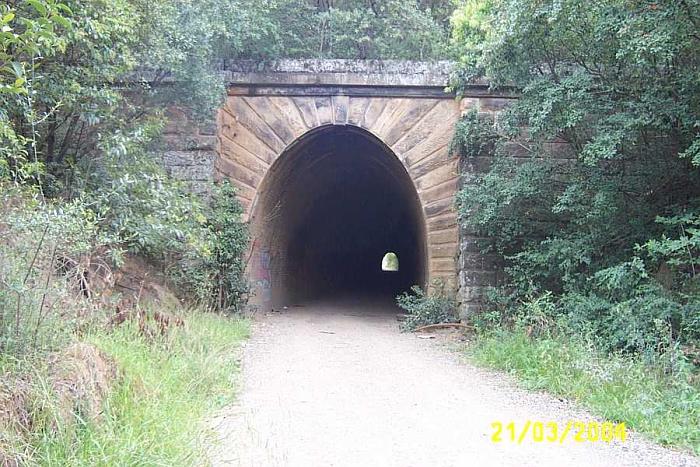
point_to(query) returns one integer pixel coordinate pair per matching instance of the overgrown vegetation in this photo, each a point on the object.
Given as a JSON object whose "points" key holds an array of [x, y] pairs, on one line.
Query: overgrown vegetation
{"points": [[48, 250], [354, 29], [58, 257], [82, 191], [423, 308], [591, 201], [58, 288], [79, 150], [600, 210], [615, 387], [217, 278], [153, 414]]}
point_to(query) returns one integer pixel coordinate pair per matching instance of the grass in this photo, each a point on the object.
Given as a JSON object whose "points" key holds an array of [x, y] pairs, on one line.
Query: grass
{"points": [[166, 389], [666, 407]]}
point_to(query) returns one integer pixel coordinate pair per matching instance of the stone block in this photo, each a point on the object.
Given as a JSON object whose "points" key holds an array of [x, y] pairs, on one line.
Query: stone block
{"points": [[472, 294], [172, 158], [468, 309], [192, 172], [478, 278], [471, 244]]}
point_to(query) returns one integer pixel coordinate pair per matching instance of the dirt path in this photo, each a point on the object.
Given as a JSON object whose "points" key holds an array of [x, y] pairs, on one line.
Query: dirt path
{"points": [[341, 386]]}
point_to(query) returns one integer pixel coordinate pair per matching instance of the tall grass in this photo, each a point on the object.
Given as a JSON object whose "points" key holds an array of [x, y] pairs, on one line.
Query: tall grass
{"points": [[166, 388], [46, 251], [665, 406]]}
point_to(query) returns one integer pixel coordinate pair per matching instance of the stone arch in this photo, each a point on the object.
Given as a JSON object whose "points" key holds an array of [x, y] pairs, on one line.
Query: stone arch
{"points": [[255, 130], [334, 201]]}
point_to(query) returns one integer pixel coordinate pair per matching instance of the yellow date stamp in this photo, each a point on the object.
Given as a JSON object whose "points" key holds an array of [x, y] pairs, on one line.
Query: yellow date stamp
{"points": [[554, 432]]}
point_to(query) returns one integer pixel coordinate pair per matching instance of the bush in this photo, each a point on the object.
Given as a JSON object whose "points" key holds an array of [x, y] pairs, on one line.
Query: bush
{"points": [[597, 215], [52, 250], [200, 245], [651, 323], [88, 146], [426, 308], [47, 251], [217, 278]]}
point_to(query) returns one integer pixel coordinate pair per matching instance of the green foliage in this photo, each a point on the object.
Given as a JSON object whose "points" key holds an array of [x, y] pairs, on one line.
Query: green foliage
{"points": [[355, 29], [148, 212], [679, 246], [46, 250], [51, 248], [649, 399], [80, 86], [183, 42], [598, 211], [164, 387], [643, 320], [24, 41], [470, 28], [395, 29], [422, 308], [230, 244], [143, 211], [217, 278], [200, 245], [474, 136], [95, 142]]}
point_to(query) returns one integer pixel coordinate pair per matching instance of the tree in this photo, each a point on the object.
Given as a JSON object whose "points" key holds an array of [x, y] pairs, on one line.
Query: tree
{"points": [[354, 29], [617, 82], [22, 49]]}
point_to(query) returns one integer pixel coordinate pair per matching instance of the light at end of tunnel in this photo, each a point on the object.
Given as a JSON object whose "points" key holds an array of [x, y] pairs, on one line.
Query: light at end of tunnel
{"points": [[390, 262]]}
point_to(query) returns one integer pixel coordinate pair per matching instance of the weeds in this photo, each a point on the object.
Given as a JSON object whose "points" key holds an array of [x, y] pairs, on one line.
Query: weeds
{"points": [[434, 307], [643, 394], [46, 251], [154, 413]]}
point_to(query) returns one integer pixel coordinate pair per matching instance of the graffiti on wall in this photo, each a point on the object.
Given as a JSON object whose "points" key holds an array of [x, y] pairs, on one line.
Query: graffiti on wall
{"points": [[263, 281]]}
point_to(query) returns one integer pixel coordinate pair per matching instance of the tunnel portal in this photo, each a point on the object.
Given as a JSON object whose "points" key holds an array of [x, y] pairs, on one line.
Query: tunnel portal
{"points": [[329, 209], [337, 163]]}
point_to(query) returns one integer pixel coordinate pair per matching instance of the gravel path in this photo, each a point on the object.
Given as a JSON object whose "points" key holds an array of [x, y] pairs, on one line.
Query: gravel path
{"points": [[339, 385]]}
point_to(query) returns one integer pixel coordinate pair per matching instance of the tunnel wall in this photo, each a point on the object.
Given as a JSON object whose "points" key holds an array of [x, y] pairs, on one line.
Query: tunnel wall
{"points": [[329, 209], [254, 131]]}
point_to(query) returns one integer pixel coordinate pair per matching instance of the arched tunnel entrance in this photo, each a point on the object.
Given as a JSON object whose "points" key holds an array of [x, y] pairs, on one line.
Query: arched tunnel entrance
{"points": [[328, 211]]}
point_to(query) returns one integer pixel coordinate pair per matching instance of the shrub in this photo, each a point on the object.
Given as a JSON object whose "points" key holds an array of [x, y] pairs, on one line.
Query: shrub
{"points": [[651, 323], [200, 245], [46, 253], [424, 308], [217, 277], [592, 197]]}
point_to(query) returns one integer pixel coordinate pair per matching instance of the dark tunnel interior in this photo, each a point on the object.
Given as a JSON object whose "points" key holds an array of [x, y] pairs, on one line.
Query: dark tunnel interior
{"points": [[331, 207]]}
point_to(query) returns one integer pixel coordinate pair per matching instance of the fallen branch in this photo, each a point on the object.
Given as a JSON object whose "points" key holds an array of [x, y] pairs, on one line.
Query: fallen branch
{"points": [[430, 327]]}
